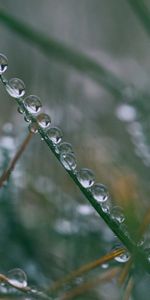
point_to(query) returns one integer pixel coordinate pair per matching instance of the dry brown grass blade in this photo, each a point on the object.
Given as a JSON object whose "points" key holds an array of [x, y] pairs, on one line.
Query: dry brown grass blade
{"points": [[7, 172], [86, 268], [104, 277], [128, 290], [124, 272]]}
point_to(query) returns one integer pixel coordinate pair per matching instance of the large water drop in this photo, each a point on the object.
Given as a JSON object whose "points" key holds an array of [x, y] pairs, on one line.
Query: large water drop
{"points": [[17, 278], [117, 214], [3, 63], [100, 192], [15, 87], [33, 104], [65, 148], [44, 120], [68, 160], [54, 134], [85, 177]]}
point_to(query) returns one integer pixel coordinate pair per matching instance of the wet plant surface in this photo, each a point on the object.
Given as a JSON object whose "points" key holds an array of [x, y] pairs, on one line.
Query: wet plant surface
{"points": [[74, 162]]}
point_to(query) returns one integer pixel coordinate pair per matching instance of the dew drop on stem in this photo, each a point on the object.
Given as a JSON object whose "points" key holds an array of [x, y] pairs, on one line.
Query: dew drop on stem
{"points": [[54, 134], [17, 278], [100, 192], [117, 214], [64, 148], [68, 160], [44, 120], [15, 87], [33, 104], [85, 177], [33, 127]]}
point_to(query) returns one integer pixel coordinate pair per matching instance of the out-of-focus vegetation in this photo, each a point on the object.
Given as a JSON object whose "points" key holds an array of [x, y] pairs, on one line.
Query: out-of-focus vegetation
{"points": [[47, 227]]}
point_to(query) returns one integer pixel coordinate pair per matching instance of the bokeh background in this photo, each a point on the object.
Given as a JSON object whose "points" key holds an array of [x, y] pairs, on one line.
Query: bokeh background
{"points": [[47, 227]]}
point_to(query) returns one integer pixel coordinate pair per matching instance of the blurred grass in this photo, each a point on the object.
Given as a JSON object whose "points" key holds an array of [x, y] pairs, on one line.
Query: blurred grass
{"points": [[94, 70], [142, 12], [64, 54]]}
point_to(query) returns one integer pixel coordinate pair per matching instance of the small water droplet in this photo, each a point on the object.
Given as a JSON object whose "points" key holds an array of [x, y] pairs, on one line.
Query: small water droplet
{"points": [[3, 63], [100, 192], [17, 278], [44, 120], [33, 127], [140, 243], [105, 206], [54, 134], [85, 177], [15, 87], [123, 258], [68, 160], [64, 148], [27, 119], [33, 104], [117, 214], [20, 110], [105, 266]]}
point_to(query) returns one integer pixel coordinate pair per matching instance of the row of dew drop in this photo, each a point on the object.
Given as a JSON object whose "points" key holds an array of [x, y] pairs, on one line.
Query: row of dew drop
{"points": [[30, 107]]}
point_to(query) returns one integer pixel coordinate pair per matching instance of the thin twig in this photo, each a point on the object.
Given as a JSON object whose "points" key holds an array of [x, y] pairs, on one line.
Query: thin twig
{"points": [[88, 267], [128, 289], [8, 171]]}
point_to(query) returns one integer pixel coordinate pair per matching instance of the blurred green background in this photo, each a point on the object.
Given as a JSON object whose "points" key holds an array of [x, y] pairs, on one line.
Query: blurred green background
{"points": [[47, 227]]}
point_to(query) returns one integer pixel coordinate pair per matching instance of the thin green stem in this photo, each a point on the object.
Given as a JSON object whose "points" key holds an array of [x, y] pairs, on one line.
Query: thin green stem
{"points": [[124, 237]]}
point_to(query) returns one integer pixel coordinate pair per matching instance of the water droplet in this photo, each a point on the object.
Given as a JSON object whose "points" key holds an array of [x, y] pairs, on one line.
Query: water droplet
{"points": [[85, 177], [140, 243], [64, 148], [100, 192], [33, 127], [105, 206], [27, 119], [17, 278], [123, 258], [105, 266], [55, 135], [33, 104], [117, 214], [20, 110], [44, 120], [68, 160], [3, 63], [15, 87]]}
